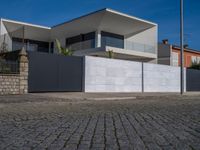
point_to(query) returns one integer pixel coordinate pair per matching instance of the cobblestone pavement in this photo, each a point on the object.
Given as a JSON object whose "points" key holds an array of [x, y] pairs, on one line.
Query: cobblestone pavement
{"points": [[146, 123]]}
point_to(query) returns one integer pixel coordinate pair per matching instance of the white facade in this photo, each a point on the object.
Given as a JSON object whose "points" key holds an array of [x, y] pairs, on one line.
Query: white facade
{"points": [[149, 37], [140, 36], [5, 37]]}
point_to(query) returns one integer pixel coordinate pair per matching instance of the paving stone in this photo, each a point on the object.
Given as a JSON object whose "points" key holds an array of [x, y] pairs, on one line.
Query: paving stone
{"points": [[165, 123]]}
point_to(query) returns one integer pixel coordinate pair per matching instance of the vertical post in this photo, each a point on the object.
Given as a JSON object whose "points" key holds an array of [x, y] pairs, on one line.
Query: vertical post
{"points": [[182, 47], [98, 39], [142, 77], [23, 72], [49, 47]]}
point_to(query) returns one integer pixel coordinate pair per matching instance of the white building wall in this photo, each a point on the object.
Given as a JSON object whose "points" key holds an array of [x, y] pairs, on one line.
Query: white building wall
{"points": [[8, 39], [148, 37], [110, 75]]}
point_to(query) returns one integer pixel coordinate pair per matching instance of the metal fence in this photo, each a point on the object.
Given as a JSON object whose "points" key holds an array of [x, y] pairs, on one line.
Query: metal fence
{"points": [[9, 67], [52, 72], [193, 80]]}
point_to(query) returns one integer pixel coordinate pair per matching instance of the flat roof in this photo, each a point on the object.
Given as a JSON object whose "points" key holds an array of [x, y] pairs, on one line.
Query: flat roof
{"points": [[108, 10], [34, 32], [103, 20], [24, 23], [101, 10]]}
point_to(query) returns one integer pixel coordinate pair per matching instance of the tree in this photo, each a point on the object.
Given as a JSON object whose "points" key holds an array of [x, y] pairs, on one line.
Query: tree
{"points": [[62, 50]]}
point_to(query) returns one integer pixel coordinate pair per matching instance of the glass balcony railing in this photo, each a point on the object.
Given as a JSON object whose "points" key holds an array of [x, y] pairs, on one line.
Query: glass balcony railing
{"points": [[82, 45], [129, 45]]}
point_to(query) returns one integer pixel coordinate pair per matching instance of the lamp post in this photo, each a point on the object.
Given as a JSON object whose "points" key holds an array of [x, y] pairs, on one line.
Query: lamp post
{"points": [[182, 47]]}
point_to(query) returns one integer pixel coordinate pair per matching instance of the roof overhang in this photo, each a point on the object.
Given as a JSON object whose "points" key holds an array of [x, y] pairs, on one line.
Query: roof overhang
{"points": [[106, 20], [29, 31]]}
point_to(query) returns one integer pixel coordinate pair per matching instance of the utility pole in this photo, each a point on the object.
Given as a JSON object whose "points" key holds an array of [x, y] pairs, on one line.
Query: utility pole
{"points": [[182, 47]]}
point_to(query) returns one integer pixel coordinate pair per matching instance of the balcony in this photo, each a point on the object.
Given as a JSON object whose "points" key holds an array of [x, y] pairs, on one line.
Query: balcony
{"points": [[140, 47], [127, 45], [89, 44]]}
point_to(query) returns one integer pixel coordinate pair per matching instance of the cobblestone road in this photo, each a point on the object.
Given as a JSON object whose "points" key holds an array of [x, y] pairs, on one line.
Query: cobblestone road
{"points": [[147, 123]]}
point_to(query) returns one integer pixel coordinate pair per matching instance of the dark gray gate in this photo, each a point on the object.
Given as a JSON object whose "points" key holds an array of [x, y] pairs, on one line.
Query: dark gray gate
{"points": [[193, 80], [51, 72]]}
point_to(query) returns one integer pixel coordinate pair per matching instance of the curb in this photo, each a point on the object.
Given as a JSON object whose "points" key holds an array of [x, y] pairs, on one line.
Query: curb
{"points": [[111, 98]]}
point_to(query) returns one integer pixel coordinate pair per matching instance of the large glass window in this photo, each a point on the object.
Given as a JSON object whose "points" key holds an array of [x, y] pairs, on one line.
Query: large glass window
{"points": [[82, 41], [111, 39], [30, 45], [17, 44]]}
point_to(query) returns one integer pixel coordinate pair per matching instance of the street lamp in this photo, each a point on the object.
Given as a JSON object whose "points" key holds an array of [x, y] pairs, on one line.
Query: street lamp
{"points": [[182, 47]]}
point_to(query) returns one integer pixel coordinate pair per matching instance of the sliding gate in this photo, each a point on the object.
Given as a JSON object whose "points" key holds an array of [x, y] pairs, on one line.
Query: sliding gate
{"points": [[51, 72]]}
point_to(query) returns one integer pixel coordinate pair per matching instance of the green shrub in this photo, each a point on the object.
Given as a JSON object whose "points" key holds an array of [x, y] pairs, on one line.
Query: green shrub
{"points": [[195, 65], [62, 50], [110, 54]]}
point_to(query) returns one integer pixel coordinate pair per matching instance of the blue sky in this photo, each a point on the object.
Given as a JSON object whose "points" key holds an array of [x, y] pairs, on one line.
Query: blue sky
{"points": [[163, 12]]}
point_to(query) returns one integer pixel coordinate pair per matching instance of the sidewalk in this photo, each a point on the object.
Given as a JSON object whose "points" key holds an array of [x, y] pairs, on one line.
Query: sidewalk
{"points": [[80, 96], [110, 96]]}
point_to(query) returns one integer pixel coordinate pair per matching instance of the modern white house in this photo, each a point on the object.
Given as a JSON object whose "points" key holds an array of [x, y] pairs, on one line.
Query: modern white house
{"points": [[133, 41], [93, 34]]}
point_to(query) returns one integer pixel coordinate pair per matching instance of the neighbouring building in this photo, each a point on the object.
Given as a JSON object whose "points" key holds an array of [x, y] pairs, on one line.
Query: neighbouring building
{"points": [[93, 34], [169, 54]]}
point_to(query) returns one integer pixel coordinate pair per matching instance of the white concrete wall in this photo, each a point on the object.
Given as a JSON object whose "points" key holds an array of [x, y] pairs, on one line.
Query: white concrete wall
{"points": [[111, 75], [161, 78], [148, 37], [8, 39]]}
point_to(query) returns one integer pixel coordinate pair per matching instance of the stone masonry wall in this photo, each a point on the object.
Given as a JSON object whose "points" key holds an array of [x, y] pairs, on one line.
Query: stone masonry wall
{"points": [[16, 83], [9, 84], [23, 69]]}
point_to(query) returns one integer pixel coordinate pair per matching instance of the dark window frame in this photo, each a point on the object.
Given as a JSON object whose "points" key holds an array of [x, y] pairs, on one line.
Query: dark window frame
{"points": [[42, 46], [81, 38], [112, 39]]}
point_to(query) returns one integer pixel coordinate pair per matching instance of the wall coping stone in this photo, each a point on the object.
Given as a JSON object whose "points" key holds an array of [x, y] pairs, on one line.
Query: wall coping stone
{"points": [[17, 74]]}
